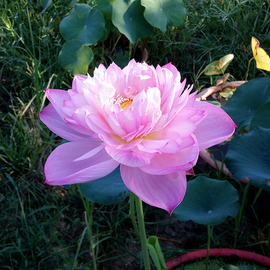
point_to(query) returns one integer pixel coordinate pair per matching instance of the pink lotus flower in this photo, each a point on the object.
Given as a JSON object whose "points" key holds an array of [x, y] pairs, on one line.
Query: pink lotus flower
{"points": [[139, 117]]}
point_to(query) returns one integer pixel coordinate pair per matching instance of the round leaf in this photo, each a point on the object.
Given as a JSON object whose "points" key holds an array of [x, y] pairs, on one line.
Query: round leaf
{"points": [[248, 156], [83, 23], [163, 12], [106, 190], [208, 201], [127, 16], [261, 118], [105, 7], [247, 99], [75, 57]]}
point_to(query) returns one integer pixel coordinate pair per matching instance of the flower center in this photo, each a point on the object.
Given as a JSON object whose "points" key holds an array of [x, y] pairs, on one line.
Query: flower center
{"points": [[124, 102]]}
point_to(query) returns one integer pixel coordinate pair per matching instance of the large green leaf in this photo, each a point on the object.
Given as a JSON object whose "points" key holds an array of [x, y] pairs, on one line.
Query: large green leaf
{"points": [[249, 156], [261, 118], [106, 190], [127, 16], [75, 57], [247, 99], [164, 12], [208, 201], [105, 7], [83, 23]]}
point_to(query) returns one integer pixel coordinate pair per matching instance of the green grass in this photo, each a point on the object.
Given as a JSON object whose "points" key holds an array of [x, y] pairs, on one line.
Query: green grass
{"points": [[43, 227]]}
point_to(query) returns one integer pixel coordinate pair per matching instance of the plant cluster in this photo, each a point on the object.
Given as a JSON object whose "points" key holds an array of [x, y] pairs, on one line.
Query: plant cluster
{"points": [[44, 46]]}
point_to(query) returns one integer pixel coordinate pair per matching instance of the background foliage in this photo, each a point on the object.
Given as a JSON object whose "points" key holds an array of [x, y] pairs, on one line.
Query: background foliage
{"points": [[41, 226]]}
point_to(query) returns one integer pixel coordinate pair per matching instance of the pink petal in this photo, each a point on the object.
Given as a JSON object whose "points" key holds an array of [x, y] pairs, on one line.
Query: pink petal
{"points": [[172, 147], [78, 82], [127, 69], [215, 128], [78, 120], [127, 120], [169, 163], [169, 90], [172, 68], [162, 191], [72, 163], [57, 98], [129, 158], [167, 117], [97, 123], [115, 77], [154, 144], [78, 100], [50, 117], [111, 140], [99, 72]]}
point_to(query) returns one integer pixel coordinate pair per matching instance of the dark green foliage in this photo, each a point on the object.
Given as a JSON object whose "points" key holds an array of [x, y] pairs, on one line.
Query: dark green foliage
{"points": [[41, 226]]}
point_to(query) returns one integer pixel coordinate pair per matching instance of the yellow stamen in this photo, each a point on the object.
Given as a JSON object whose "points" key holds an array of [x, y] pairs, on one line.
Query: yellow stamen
{"points": [[126, 103]]}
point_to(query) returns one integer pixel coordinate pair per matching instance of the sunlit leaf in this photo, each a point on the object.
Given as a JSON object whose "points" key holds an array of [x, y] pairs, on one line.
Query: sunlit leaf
{"points": [[218, 67], [208, 201], [164, 13], [261, 57], [127, 16], [75, 57], [83, 23], [227, 93]]}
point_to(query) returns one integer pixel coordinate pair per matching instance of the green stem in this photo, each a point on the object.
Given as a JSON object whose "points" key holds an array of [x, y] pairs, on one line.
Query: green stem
{"points": [[36, 77], [269, 241], [239, 217], [208, 246], [143, 239], [257, 196], [248, 67], [89, 206], [90, 218], [114, 45], [132, 214], [130, 50]]}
